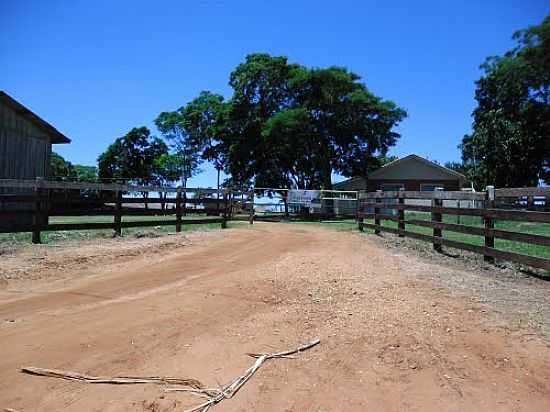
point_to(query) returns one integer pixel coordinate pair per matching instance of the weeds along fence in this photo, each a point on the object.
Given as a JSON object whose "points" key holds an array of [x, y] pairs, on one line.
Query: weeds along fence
{"points": [[27, 205], [495, 223]]}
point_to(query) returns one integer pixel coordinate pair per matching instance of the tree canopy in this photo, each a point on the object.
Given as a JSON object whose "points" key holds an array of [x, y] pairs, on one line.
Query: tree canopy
{"points": [[510, 142], [132, 157], [63, 169], [286, 125]]}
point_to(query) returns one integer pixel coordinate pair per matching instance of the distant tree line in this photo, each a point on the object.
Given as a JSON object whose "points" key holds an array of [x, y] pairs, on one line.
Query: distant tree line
{"points": [[289, 126], [284, 126], [63, 169]]}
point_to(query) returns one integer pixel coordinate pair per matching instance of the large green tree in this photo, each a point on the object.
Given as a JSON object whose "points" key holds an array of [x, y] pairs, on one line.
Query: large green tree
{"points": [[260, 90], [204, 121], [510, 142], [131, 158], [187, 154], [292, 126]]}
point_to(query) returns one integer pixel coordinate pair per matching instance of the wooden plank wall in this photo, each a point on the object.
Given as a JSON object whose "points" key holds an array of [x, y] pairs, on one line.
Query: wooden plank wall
{"points": [[24, 148]]}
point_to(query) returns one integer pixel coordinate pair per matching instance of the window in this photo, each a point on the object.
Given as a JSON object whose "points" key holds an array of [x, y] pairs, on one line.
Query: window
{"points": [[430, 187], [392, 187]]}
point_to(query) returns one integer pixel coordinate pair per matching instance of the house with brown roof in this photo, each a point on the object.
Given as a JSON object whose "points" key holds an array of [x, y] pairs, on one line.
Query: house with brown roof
{"points": [[411, 172]]}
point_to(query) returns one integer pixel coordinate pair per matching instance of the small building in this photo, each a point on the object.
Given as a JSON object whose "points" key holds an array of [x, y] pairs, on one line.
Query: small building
{"points": [[25, 141], [412, 173]]}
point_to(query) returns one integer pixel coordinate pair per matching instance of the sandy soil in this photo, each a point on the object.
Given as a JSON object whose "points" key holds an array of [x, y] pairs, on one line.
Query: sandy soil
{"points": [[396, 333]]}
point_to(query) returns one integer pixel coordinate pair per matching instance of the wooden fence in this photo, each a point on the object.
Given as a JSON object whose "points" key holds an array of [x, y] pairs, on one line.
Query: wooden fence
{"points": [[382, 206], [26, 205]]}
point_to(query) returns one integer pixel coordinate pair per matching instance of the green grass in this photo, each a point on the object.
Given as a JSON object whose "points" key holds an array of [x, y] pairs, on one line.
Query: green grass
{"points": [[501, 244], [49, 237]]}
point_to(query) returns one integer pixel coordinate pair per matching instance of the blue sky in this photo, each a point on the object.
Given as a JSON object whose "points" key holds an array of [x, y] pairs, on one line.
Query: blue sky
{"points": [[95, 69]]}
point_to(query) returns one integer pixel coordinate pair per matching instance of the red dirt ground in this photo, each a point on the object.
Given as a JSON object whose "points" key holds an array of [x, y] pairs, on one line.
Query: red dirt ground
{"points": [[393, 338]]}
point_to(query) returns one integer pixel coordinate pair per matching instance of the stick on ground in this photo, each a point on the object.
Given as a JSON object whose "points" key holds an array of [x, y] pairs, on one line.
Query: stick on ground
{"points": [[117, 380], [229, 390], [192, 386]]}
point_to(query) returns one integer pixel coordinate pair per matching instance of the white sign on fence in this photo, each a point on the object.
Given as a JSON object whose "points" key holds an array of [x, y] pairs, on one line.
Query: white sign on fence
{"points": [[304, 197]]}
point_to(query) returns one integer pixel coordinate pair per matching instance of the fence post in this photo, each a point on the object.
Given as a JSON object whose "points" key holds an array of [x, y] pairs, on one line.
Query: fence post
{"points": [[118, 213], [185, 201], [401, 224], [178, 210], [37, 216], [377, 213], [224, 214], [251, 217], [359, 212], [437, 217], [489, 222]]}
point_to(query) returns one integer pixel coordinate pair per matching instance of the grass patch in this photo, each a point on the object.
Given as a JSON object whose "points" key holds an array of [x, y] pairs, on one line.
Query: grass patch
{"points": [[501, 244], [52, 236]]}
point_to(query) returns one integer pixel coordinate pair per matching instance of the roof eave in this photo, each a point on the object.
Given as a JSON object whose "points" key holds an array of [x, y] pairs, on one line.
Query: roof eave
{"points": [[56, 137]]}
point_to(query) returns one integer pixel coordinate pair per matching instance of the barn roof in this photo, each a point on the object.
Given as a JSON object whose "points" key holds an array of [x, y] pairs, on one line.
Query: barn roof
{"points": [[55, 135], [379, 173]]}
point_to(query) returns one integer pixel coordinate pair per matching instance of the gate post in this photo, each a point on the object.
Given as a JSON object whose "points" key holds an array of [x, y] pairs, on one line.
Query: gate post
{"points": [[251, 216], [489, 222]]}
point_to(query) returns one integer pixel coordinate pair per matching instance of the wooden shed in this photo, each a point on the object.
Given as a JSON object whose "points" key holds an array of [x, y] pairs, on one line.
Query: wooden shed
{"points": [[25, 141], [25, 149]]}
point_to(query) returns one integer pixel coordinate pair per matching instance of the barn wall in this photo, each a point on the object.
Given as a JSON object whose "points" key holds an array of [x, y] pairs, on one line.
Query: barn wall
{"points": [[24, 154], [24, 148]]}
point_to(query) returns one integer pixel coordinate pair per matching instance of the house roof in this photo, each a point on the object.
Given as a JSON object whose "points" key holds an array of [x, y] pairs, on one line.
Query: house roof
{"points": [[55, 135], [346, 183], [412, 157]]}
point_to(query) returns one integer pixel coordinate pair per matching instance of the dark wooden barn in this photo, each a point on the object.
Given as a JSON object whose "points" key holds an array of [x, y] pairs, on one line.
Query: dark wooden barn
{"points": [[25, 141], [25, 149]]}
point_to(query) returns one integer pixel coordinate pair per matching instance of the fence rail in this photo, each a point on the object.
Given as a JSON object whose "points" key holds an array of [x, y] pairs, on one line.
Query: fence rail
{"points": [[30, 211], [60, 185], [375, 205], [32, 202]]}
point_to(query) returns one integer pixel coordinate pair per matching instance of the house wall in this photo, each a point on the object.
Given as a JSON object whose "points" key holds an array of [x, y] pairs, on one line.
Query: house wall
{"points": [[413, 184]]}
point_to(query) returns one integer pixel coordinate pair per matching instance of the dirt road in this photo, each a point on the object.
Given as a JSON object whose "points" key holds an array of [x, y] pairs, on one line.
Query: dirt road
{"points": [[393, 338]]}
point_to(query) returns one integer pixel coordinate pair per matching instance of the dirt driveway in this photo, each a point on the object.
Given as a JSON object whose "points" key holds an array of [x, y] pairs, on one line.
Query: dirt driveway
{"points": [[395, 336]]}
